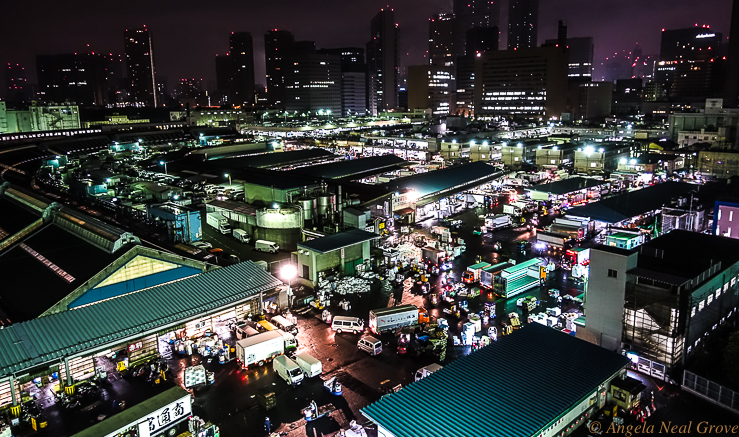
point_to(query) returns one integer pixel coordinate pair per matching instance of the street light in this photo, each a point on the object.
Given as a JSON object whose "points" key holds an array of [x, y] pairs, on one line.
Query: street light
{"points": [[164, 163], [228, 175], [288, 272]]}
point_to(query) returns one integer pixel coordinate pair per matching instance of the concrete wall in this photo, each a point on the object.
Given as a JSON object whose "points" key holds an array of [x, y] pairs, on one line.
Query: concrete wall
{"points": [[319, 262], [604, 297]]}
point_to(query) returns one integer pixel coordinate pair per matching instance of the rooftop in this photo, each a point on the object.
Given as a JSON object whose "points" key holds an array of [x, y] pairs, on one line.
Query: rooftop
{"points": [[49, 338], [627, 205], [355, 167], [337, 241], [510, 406], [271, 159], [566, 186], [623, 236]]}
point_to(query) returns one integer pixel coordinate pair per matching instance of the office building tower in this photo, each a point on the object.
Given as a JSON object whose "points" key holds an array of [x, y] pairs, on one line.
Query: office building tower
{"points": [[691, 64], [482, 39], [528, 83], [81, 78], [731, 91], [277, 44], [441, 40], [431, 87], [561, 33], [353, 79], [595, 99], [313, 83], [242, 68], [140, 67], [580, 53], [224, 73], [16, 84], [383, 63], [473, 13], [523, 24]]}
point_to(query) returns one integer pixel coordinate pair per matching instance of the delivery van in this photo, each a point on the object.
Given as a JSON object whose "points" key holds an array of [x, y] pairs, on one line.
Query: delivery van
{"points": [[241, 235], [310, 366], [288, 370], [285, 325], [266, 246], [426, 371], [347, 324], [371, 345]]}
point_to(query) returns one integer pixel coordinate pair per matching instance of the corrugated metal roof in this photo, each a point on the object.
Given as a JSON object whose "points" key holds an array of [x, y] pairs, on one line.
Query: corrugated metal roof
{"points": [[445, 180], [509, 390], [337, 241], [48, 338], [566, 186]]}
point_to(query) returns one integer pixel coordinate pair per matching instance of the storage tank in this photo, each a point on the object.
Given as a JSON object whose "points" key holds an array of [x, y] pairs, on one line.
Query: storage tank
{"points": [[324, 204], [308, 205], [283, 226]]}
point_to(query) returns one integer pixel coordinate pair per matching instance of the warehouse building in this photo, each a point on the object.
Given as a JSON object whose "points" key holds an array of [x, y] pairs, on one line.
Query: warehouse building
{"points": [[574, 190], [556, 407], [341, 252], [133, 328]]}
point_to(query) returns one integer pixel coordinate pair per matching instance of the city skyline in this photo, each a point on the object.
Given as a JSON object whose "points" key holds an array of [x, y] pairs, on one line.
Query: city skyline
{"points": [[188, 51]]}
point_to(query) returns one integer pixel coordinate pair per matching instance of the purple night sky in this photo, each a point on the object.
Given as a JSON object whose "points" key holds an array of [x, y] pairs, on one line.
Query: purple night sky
{"points": [[188, 34]]}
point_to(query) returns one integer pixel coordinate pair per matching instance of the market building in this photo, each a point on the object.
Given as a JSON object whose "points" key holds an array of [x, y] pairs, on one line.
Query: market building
{"points": [[569, 402], [572, 190], [133, 328], [343, 252], [656, 304]]}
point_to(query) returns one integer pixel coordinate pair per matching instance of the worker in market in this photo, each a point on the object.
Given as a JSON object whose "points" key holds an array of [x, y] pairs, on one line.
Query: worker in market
{"points": [[267, 425]]}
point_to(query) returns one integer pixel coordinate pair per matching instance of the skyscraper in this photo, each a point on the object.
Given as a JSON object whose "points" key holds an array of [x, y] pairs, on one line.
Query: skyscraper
{"points": [[473, 13], [731, 88], [353, 79], [242, 68], [16, 84], [482, 39], [313, 83], [691, 64], [523, 24], [441, 40], [383, 63], [223, 72], [277, 44], [140, 67], [81, 78], [580, 51]]}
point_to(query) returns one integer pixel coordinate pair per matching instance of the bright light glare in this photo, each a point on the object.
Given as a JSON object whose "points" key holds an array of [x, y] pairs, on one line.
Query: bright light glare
{"points": [[288, 271], [589, 150]]}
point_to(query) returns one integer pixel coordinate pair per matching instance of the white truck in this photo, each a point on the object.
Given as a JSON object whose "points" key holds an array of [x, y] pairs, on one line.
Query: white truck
{"points": [[498, 221], [288, 370], [512, 210], [241, 235], [388, 319], [427, 370], [266, 246], [310, 366], [218, 221], [474, 200], [260, 348], [515, 182]]}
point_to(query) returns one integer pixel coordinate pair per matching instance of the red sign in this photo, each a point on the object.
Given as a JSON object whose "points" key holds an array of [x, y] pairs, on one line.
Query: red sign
{"points": [[135, 346]]}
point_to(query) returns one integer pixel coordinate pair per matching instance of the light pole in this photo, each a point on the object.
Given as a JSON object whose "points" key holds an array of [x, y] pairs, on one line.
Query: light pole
{"points": [[228, 175], [164, 163], [289, 272]]}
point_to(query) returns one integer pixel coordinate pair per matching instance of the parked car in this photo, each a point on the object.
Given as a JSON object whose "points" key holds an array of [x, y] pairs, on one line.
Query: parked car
{"points": [[202, 245]]}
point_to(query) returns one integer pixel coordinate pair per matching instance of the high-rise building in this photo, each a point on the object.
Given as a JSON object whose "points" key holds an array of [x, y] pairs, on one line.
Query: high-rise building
{"points": [[431, 87], [523, 24], [595, 99], [81, 78], [482, 39], [561, 33], [313, 83], [441, 40], [242, 68], [473, 13], [527, 83], [580, 52], [140, 67], [16, 84], [277, 44], [353, 79], [691, 64], [224, 73], [731, 90], [383, 62]]}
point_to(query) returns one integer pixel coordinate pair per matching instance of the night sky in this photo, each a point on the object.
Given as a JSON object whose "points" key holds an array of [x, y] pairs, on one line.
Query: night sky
{"points": [[188, 34]]}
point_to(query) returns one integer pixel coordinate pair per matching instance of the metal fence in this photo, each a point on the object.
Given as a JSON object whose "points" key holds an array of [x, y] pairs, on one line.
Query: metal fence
{"points": [[711, 391]]}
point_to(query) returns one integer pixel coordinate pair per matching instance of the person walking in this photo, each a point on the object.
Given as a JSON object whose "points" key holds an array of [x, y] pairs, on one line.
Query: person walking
{"points": [[267, 425]]}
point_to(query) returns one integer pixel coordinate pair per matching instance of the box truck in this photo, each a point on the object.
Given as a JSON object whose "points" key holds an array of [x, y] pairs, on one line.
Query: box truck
{"points": [[498, 221], [261, 348], [388, 319], [310, 366], [241, 235], [218, 221]]}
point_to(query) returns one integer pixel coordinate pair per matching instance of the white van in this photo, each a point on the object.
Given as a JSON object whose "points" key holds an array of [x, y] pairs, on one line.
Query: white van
{"points": [[241, 235], [349, 324], [243, 330], [288, 370], [426, 371], [370, 345], [310, 366], [266, 246], [285, 325]]}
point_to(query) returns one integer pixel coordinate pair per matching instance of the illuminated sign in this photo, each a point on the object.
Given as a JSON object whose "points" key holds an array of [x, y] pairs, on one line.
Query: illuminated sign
{"points": [[165, 417], [135, 346], [706, 35]]}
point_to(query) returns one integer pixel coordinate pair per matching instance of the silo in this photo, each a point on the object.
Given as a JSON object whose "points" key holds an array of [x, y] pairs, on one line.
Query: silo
{"points": [[308, 205]]}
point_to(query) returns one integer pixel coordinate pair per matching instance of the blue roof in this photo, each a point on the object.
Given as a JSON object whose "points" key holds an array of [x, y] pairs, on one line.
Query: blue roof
{"points": [[49, 338], [508, 389], [337, 241]]}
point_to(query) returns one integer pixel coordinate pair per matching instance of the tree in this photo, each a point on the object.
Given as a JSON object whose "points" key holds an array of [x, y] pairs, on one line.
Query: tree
{"points": [[730, 360]]}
